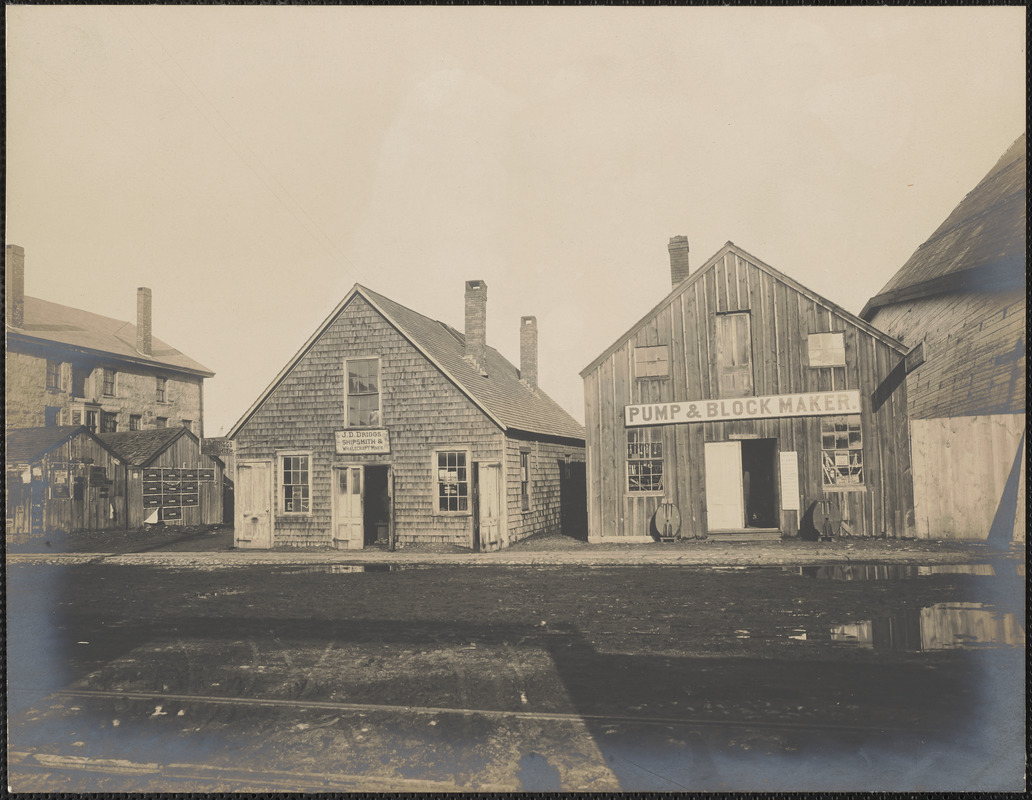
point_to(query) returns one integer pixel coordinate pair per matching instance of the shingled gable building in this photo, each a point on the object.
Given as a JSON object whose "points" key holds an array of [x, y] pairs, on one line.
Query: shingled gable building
{"points": [[69, 367], [960, 301], [389, 427], [745, 406]]}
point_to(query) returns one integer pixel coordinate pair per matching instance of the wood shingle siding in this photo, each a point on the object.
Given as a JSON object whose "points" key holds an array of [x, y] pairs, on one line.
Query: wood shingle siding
{"points": [[423, 407]]}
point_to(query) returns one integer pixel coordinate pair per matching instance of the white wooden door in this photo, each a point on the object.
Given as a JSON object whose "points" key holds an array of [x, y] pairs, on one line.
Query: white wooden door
{"points": [[489, 478], [348, 520], [253, 502], [725, 504]]}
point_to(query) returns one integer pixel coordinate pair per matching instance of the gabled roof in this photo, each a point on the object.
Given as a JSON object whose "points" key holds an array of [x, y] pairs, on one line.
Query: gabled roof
{"points": [[140, 448], [981, 244], [697, 275], [73, 327], [500, 394], [31, 444]]}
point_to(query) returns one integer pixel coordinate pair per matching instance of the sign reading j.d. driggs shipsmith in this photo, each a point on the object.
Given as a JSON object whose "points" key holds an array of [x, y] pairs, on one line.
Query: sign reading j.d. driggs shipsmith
{"points": [[810, 404], [363, 441]]}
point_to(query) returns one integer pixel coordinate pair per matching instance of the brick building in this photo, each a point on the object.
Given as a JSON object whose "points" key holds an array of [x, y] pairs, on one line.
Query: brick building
{"points": [[391, 427], [69, 367], [960, 301]]}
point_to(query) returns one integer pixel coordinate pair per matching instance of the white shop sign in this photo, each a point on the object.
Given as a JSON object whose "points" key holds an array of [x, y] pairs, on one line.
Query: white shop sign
{"points": [[809, 404], [374, 441]]}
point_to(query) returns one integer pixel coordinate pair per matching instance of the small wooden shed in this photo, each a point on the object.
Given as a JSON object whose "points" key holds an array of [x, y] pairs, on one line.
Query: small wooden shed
{"points": [[166, 477], [748, 407], [60, 479]]}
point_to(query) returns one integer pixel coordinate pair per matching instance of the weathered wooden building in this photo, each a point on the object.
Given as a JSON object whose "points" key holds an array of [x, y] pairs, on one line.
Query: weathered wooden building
{"points": [[69, 367], [960, 299], [164, 477], [59, 479], [391, 427], [747, 406]]}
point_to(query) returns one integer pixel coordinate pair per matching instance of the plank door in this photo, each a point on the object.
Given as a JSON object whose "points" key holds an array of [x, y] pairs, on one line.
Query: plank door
{"points": [[725, 505], [253, 524], [489, 501], [348, 519]]}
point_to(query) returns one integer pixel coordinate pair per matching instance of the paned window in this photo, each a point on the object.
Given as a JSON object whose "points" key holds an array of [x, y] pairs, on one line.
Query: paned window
{"points": [[108, 422], [109, 382], [161, 390], [91, 420], [645, 460], [842, 454], [734, 354], [452, 481], [53, 375], [296, 484], [525, 479], [652, 362], [363, 392], [826, 349], [134, 422]]}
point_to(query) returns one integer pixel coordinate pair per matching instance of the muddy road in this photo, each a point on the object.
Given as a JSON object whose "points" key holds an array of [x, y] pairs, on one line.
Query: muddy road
{"points": [[860, 677]]}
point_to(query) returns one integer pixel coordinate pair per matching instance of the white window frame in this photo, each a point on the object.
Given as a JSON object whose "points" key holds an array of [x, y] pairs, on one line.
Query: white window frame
{"points": [[281, 498], [654, 434], [846, 452], [821, 352], [525, 496], [379, 392], [436, 480]]}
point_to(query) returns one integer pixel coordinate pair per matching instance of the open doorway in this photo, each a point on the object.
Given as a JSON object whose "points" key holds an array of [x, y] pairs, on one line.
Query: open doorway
{"points": [[376, 506], [759, 457]]}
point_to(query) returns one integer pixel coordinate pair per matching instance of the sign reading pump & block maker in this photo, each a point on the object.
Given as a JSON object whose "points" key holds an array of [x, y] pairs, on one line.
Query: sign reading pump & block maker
{"points": [[809, 404], [363, 441]]}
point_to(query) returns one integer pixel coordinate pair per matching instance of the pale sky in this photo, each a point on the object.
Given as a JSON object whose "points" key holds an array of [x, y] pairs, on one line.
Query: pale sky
{"points": [[250, 164]]}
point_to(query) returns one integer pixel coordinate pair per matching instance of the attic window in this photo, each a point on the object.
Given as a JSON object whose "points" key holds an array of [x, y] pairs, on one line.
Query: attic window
{"points": [[652, 362], [363, 392], [826, 349]]}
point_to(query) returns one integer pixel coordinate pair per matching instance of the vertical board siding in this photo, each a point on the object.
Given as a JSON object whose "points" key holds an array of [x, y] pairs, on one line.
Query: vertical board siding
{"points": [[781, 319]]}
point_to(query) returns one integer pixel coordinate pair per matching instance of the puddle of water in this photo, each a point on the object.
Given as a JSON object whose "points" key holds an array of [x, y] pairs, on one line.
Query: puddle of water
{"points": [[340, 569], [889, 572], [944, 626]]}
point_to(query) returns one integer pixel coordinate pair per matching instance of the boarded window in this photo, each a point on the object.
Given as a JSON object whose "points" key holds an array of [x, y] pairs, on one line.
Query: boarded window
{"points": [[525, 480], [842, 454], [295, 486], [652, 362], [645, 460], [109, 382], [452, 481], [363, 391], [734, 355], [52, 416], [161, 422], [53, 375], [826, 349]]}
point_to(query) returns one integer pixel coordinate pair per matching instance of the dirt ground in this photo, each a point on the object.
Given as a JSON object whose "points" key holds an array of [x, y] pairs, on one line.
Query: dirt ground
{"points": [[589, 644]]}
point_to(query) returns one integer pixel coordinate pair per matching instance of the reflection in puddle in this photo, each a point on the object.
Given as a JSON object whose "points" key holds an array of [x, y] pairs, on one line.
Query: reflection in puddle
{"points": [[890, 572], [944, 626], [340, 569]]}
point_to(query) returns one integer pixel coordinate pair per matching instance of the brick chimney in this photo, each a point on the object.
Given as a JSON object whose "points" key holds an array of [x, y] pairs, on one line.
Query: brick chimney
{"points": [[143, 320], [14, 299], [678, 248], [529, 351], [476, 323]]}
